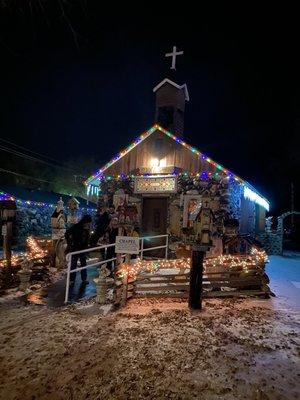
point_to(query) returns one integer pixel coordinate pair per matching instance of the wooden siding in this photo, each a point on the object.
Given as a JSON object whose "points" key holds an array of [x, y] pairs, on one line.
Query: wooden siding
{"points": [[260, 219], [247, 220], [138, 160]]}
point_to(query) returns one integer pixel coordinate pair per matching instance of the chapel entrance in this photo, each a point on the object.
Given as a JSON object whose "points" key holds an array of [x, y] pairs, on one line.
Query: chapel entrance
{"points": [[154, 222]]}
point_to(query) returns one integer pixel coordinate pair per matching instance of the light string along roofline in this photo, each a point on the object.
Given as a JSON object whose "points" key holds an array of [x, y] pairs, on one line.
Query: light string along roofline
{"points": [[7, 196], [122, 153], [250, 194], [177, 139]]}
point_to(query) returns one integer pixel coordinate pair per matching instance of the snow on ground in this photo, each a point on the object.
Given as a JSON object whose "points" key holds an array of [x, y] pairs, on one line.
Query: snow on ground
{"points": [[156, 349], [284, 274], [151, 349]]}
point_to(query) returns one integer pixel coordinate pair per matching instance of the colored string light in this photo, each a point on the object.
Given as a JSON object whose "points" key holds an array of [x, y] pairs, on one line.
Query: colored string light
{"points": [[201, 156], [255, 260], [24, 203], [6, 196], [123, 177], [151, 266], [121, 154]]}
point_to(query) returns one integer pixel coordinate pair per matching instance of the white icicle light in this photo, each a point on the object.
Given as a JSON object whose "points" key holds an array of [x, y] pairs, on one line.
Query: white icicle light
{"points": [[249, 194]]}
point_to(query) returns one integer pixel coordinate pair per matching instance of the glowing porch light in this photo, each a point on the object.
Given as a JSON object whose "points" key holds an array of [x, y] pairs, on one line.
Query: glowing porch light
{"points": [[157, 164], [154, 162], [162, 163]]}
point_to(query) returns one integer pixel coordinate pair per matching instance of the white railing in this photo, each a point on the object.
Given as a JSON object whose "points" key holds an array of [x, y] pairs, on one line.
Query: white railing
{"points": [[143, 250], [106, 246]]}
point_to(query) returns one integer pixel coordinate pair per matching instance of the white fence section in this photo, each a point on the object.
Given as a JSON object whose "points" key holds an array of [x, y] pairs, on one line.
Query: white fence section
{"points": [[106, 246]]}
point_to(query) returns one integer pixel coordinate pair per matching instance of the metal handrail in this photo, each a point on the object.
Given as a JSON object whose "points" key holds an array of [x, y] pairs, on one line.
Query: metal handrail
{"points": [[105, 246], [89, 249]]}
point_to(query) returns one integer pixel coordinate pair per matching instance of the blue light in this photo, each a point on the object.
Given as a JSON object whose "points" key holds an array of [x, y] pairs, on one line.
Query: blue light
{"points": [[253, 196]]}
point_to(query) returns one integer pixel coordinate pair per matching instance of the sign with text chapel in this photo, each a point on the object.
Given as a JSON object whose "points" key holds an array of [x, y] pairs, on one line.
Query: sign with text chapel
{"points": [[127, 245]]}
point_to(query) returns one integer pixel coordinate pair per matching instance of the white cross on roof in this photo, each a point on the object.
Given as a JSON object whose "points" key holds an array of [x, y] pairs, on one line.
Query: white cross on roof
{"points": [[174, 54]]}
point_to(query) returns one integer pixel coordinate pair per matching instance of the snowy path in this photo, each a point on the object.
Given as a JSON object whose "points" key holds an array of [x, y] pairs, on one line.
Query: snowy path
{"points": [[284, 274]]}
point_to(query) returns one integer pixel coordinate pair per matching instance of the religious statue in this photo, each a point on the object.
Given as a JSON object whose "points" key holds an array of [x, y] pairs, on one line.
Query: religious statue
{"points": [[205, 219], [58, 224], [101, 285], [58, 221], [73, 205]]}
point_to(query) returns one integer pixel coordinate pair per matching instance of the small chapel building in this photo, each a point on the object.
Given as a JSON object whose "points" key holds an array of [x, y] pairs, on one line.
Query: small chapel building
{"points": [[159, 181]]}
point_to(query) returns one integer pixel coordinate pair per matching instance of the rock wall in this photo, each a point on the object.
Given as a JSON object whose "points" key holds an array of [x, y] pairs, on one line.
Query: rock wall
{"points": [[272, 242], [272, 239], [36, 220], [32, 220], [228, 201], [235, 194]]}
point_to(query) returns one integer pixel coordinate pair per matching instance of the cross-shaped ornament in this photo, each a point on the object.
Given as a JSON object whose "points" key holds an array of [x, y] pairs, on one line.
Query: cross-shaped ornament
{"points": [[173, 55]]}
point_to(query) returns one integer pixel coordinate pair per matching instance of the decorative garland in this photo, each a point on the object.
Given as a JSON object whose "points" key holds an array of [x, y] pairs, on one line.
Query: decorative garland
{"points": [[185, 175], [256, 259], [151, 266], [246, 263]]}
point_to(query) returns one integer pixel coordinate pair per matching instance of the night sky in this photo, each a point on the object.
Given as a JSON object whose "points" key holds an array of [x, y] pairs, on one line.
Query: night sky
{"points": [[77, 80]]}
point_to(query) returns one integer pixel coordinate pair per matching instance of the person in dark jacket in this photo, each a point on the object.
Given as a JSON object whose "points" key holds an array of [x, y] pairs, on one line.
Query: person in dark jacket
{"points": [[112, 212], [110, 236], [77, 238], [102, 220]]}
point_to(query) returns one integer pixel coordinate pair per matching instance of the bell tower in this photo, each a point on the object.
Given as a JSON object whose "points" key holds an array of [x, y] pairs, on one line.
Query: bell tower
{"points": [[170, 100]]}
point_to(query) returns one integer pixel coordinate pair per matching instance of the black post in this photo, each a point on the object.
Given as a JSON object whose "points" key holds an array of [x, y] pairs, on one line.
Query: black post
{"points": [[195, 297]]}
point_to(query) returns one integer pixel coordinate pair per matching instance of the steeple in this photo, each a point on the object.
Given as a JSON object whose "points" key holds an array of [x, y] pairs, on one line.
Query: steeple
{"points": [[170, 100]]}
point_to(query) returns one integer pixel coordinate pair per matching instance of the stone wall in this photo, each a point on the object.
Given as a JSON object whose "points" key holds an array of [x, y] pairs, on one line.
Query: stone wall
{"points": [[272, 242], [32, 220], [235, 195], [36, 220], [226, 204], [272, 239]]}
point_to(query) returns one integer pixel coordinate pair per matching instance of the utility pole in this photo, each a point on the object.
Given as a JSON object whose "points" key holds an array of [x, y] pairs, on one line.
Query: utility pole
{"points": [[196, 276], [200, 246]]}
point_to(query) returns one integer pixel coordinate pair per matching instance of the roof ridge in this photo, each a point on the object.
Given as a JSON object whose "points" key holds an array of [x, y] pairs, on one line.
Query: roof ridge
{"points": [[179, 140], [167, 80]]}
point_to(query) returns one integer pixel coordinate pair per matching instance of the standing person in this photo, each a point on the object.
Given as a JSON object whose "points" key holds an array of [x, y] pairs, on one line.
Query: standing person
{"points": [[111, 234], [112, 212], [102, 220], [77, 238]]}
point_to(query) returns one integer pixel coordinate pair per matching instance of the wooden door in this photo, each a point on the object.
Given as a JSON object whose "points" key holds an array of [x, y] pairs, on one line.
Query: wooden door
{"points": [[154, 222]]}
